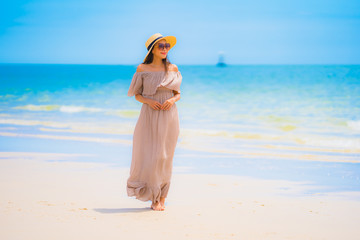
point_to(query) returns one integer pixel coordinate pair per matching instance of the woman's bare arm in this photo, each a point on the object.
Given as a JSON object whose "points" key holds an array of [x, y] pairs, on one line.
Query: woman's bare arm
{"points": [[176, 96], [168, 103], [151, 102]]}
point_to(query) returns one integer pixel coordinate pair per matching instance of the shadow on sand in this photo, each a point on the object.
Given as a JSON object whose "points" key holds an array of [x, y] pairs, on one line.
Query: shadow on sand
{"points": [[122, 210]]}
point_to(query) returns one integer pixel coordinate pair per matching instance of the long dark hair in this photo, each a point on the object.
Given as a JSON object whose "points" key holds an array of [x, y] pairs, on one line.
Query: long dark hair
{"points": [[150, 57]]}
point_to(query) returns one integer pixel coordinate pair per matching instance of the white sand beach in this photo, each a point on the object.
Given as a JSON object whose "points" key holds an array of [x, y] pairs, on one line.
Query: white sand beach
{"points": [[42, 199]]}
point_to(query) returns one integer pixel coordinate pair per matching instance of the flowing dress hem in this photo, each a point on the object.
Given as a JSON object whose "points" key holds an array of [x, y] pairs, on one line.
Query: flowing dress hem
{"points": [[145, 193]]}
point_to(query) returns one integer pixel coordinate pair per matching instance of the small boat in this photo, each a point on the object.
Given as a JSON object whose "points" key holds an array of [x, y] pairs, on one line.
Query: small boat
{"points": [[221, 62]]}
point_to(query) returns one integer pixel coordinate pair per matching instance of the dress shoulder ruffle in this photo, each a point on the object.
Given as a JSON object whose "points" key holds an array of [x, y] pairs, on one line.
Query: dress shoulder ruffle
{"points": [[146, 83], [136, 85]]}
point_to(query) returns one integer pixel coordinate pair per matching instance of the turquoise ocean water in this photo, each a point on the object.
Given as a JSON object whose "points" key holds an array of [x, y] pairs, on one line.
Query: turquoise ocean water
{"points": [[295, 122]]}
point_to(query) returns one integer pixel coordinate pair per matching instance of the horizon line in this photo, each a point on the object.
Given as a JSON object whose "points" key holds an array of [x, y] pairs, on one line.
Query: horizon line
{"points": [[187, 64]]}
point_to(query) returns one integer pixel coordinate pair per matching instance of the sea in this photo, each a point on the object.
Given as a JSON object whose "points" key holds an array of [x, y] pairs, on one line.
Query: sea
{"points": [[292, 122]]}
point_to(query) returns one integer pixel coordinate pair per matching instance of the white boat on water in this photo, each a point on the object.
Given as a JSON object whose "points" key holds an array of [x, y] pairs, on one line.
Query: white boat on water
{"points": [[221, 62]]}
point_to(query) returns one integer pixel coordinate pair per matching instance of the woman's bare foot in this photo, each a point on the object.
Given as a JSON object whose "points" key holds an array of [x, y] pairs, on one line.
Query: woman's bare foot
{"points": [[162, 202], [157, 206]]}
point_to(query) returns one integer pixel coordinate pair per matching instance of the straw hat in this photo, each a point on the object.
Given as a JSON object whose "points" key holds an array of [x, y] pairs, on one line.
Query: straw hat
{"points": [[157, 37]]}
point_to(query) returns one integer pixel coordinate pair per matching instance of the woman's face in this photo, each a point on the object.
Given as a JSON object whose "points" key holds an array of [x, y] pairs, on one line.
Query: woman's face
{"points": [[160, 53]]}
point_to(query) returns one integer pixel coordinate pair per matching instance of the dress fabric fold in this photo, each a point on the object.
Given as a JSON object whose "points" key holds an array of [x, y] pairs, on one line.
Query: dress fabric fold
{"points": [[155, 136]]}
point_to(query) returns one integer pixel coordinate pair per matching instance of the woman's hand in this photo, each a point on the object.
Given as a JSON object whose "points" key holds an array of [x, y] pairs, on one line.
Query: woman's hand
{"points": [[168, 104], [153, 104]]}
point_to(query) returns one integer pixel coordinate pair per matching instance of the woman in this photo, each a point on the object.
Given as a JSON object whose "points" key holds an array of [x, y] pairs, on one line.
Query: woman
{"points": [[156, 84]]}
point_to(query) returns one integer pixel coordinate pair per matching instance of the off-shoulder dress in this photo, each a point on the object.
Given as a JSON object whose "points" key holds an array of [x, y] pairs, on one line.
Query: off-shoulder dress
{"points": [[155, 136]]}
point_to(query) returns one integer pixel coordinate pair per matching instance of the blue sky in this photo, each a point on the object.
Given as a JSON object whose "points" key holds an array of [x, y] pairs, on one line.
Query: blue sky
{"points": [[114, 32]]}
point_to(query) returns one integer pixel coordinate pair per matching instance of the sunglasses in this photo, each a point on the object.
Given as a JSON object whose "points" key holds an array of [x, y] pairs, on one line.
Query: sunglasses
{"points": [[161, 46]]}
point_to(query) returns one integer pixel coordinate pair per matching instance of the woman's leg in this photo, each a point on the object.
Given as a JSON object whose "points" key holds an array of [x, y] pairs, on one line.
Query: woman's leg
{"points": [[157, 206], [162, 202]]}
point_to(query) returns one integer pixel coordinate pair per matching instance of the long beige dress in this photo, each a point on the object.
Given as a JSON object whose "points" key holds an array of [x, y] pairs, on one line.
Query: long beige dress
{"points": [[155, 136]]}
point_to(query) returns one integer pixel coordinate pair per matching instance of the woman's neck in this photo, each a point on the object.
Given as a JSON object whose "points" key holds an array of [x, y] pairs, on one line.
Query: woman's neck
{"points": [[157, 62]]}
